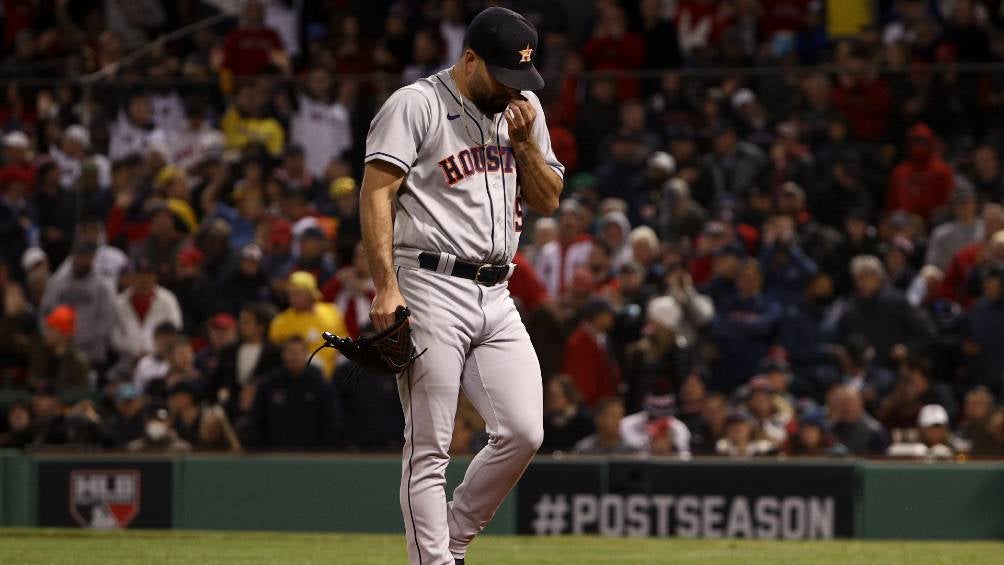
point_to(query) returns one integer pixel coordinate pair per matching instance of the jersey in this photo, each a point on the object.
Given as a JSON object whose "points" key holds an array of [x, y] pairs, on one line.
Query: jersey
{"points": [[458, 196]]}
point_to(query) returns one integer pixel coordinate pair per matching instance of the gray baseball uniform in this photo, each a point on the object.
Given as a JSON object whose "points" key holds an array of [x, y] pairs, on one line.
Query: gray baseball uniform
{"points": [[460, 199]]}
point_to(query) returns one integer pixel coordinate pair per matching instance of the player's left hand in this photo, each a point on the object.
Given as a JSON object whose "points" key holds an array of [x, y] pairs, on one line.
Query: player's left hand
{"points": [[520, 114]]}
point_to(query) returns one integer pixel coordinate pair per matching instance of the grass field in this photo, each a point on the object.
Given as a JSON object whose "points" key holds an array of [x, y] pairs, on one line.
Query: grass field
{"points": [[78, 547]]}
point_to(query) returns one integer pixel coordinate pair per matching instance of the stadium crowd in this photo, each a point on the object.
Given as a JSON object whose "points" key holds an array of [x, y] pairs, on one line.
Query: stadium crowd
{"points": [[772, 240]]}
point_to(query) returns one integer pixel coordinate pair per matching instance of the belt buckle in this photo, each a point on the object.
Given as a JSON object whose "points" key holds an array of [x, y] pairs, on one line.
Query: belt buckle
{"points": [[477, 276]]}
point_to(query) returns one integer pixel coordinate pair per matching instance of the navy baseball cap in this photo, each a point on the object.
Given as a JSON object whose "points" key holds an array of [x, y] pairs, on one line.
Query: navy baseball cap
{"points": [[508, 43]]}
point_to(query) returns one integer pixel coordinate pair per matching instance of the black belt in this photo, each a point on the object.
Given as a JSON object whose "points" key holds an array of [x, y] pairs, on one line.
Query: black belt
{"points": [[482, 273]]}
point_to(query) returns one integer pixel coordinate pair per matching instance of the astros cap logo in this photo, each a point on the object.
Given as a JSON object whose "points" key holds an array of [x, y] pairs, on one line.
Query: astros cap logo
{"points": [[525, 54]]}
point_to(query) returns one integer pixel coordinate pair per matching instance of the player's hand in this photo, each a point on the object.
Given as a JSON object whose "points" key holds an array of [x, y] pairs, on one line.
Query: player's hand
{"points": [[520, 115], [385, 304]]}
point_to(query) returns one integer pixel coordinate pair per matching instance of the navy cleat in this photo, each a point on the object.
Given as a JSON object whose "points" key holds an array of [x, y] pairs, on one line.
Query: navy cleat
{"points": [[458, 561]]}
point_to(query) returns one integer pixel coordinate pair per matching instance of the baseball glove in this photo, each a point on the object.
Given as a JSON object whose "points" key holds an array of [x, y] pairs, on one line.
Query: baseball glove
{"points": [[388, 351]]}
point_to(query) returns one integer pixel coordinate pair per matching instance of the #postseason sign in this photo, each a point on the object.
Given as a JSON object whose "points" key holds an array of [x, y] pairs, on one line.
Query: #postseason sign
{"points": [[639, 498]]}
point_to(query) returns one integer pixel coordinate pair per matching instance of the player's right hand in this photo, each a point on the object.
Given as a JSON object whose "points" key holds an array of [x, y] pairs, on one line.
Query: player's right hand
{"points": [[385, 304]]}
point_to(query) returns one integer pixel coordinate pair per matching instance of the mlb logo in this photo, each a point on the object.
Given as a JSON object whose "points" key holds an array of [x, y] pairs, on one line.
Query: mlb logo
{"points": [[104, 499]]}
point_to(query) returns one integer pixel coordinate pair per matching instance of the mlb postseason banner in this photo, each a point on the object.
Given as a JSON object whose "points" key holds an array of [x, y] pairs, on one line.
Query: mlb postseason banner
{"points": [[104, 494], [708, 500]]}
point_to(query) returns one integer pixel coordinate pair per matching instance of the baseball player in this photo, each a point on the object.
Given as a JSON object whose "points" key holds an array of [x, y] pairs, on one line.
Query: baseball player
{"points": [[450, 161]]}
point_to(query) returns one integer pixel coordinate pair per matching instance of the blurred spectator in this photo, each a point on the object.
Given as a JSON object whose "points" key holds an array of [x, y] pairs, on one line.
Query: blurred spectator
{"points": [[352, 291], [35, 266], [732, 168], [813, 438], [314, 255], [307, 317], [698, 310], [923, 183], [739, 439], [975, 435], [957, 276], [154, 364], [661, 359], [589, 361], [614, 46], [247, 283], [201, 426], [180, 366], [882, 314], [679, 215], [244, 362], [915, 389], [566, 420], [802, 333], [18, 429], [987, 177], [54, 357], [856, 356], [983, 354], [711, 426], [557, 260], [655, 430], [861, 95], [127, 421], [56, 424], [935, 439], [158, 437], [91, 298], [56, 209], [964, 229], [222, 332], [768, 421], [609, 413], [196, 140], [852, 426], [787, 269], [251, 47], [321, 123], [345, 201], [743, 329], [294, 408], [109, 261], [140, 308], [134, 132], [246, 121]]}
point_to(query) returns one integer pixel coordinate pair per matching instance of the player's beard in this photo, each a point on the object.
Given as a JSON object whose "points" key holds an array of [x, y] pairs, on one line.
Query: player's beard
{"points": [[483, 98]]}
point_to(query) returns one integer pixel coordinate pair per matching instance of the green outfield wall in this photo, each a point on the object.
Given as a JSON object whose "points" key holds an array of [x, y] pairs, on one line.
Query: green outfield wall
{"points": [[701, 498]]}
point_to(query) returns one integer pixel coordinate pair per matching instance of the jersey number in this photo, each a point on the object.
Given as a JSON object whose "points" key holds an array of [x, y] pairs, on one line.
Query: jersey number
{"points": [[518, 215]]}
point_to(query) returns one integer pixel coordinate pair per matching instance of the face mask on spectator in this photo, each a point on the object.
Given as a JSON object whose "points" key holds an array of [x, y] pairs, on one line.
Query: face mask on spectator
{"points": [[156, 430]]}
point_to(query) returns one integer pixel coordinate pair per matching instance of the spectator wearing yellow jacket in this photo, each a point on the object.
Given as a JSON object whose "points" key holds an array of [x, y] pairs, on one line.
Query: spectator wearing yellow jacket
{"points": [[307, 317], [245, 122]]}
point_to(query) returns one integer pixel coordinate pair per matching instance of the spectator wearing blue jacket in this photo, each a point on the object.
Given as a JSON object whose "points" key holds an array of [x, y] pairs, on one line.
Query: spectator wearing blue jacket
{"points": [[744, 329], [986, 326], [294, 408], [787, 269], [803, 334]]}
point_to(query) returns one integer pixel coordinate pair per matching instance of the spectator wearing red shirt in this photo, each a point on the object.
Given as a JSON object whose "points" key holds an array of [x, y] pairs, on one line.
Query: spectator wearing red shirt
{"points": [[863, 97], [613, 47], [785, 16], [922, 183], [351, 289], [525, 284], [251, 47], [16, 156], [589, 361], [956, 284]]}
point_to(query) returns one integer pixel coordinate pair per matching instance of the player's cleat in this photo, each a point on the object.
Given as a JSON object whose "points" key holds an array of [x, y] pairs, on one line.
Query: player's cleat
{"points": [[458, 562]]}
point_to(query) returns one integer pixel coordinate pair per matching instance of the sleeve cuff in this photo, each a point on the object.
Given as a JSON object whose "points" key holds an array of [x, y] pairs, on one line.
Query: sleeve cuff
{"points": [[387, 157]]}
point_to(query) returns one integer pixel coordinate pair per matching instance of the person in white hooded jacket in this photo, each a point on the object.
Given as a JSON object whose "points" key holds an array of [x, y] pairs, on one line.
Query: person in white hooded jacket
{"points": [[141, 308]]}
